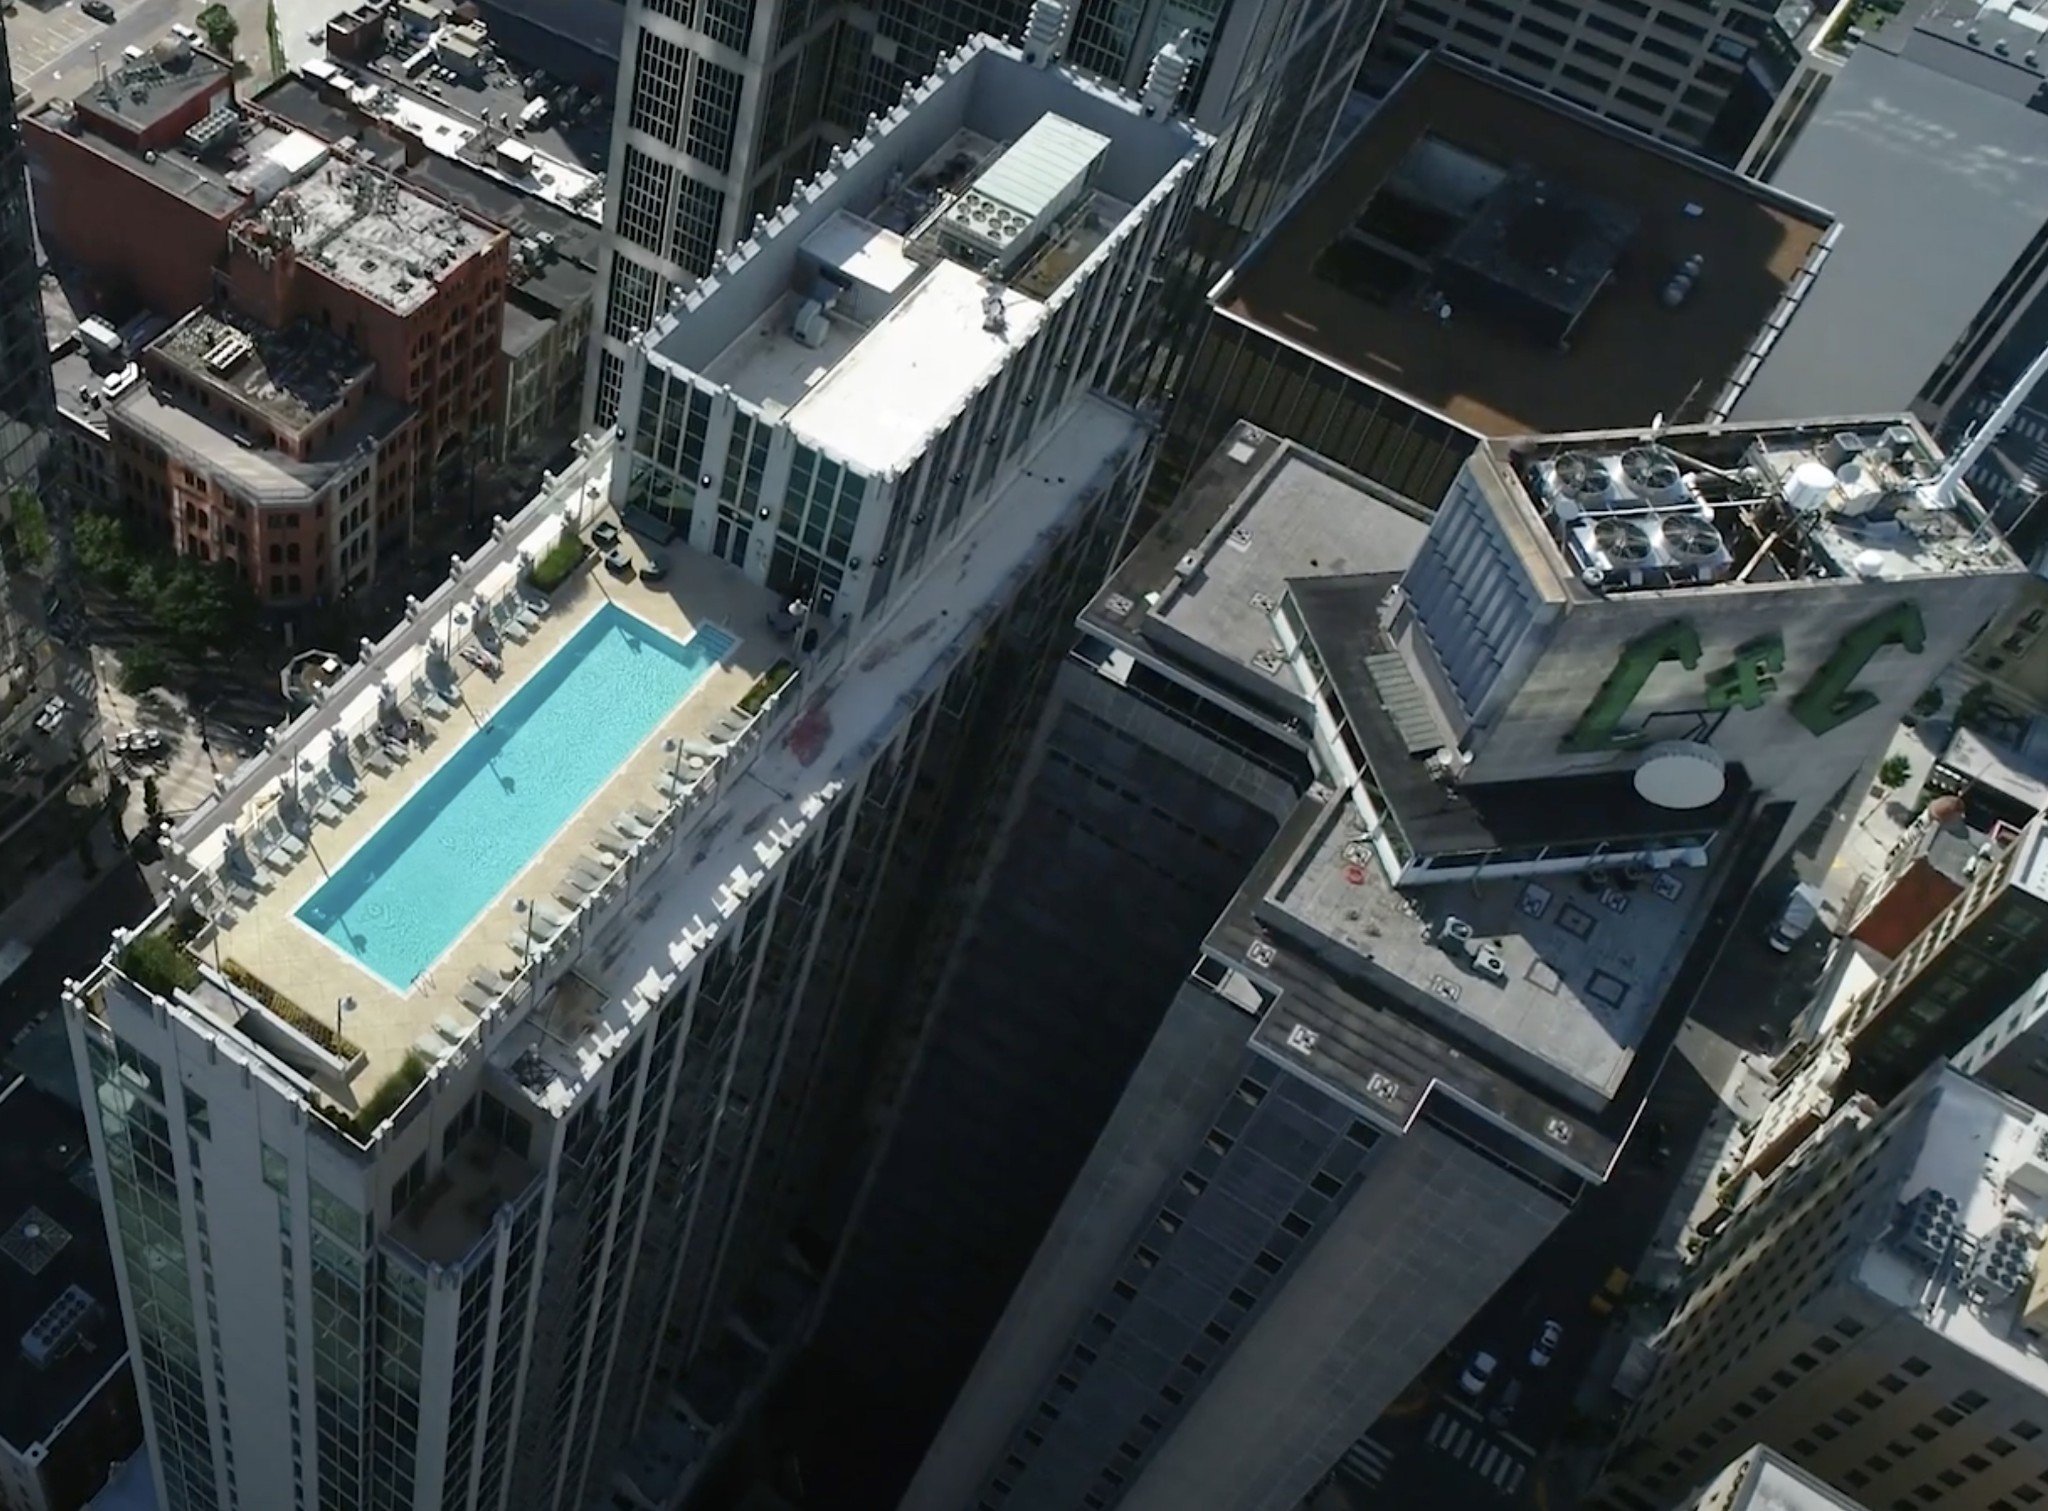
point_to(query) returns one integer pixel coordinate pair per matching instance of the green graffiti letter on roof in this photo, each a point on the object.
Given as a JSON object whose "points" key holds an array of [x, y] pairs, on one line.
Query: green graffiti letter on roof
{"points": [[1599, 726], [1829, 701], [1749, 680]]}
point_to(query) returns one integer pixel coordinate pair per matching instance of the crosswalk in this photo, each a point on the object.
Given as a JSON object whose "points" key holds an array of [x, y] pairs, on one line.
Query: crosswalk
{"points": [[1365, 1462], [1497, 1458]]}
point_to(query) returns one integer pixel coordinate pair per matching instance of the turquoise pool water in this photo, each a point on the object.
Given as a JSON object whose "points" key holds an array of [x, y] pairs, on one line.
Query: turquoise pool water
{"points": [[413, 887]]}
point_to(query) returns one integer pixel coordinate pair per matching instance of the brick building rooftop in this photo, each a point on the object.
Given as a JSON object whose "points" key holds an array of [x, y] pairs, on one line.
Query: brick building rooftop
{"points": [[373, 233]]}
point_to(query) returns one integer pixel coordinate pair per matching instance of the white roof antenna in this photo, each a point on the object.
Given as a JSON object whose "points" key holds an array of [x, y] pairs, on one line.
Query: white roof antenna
{"points": [[1994, 424], [1045, 34], [1167, 76]]}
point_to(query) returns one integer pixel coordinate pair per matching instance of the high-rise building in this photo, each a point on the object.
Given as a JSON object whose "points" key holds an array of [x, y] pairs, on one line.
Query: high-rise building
{"points": [[1948, 71], [40, 752], [1431, 288], [1552, 735], [1763, 1481], [464, 1122], [1872, 1313], [1667, 68], [67, 1402], [724, 110], [1140, 806]]}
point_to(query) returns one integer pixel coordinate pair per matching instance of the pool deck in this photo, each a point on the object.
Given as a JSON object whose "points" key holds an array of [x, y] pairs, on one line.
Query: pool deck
{"points": [[270, 942]]}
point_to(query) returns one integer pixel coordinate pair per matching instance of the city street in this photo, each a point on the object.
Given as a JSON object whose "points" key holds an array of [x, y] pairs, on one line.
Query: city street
{"points": [[1438, 1445], [51, 45]]}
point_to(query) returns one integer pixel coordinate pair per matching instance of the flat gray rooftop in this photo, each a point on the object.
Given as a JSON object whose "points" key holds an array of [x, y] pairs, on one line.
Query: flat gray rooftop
{"points": [[1296, 515], [138, 94], [373, 232], [1973, 158], [1587, 959]]}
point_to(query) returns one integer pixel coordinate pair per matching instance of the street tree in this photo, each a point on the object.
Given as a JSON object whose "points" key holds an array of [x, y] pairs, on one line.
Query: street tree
{"points": [[220, 29]]}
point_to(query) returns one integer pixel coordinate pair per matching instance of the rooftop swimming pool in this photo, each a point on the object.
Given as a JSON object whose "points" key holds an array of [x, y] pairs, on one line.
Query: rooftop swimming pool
{"points": [[419, 882]]}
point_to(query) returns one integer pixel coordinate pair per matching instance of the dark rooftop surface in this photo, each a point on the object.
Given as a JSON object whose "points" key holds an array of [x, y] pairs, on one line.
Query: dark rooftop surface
{"points": [[290, 100], [1528, 219], [139, 94], [172, 171], [52, 1238], [1919, 109]]}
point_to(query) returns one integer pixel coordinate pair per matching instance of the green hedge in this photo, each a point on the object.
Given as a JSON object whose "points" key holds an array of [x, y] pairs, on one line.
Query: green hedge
{"points": [[770, 683], [562, 558], [391, 1091], [341, 1048], [156, 962]]}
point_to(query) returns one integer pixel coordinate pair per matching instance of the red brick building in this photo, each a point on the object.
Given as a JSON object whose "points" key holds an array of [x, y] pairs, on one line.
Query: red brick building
{"points": [[294, 242], [271, 449], [102, 165]]}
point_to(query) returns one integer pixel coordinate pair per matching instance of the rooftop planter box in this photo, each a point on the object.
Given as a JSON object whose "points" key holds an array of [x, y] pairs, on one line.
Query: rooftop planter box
{"points": [[290, 1032]]}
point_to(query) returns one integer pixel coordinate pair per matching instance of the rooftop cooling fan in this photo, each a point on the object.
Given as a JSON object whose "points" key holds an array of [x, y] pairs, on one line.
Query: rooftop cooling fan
{"points": [[1651, 469], [1689, 538], [1622, 541]]}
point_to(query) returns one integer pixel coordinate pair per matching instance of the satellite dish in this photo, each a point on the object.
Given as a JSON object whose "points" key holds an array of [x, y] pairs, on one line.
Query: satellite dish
{"points": [[1681, 774]]}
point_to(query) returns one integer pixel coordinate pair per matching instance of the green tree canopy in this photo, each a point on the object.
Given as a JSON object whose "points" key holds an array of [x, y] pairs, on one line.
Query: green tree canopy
{"points": [[220, 28]]}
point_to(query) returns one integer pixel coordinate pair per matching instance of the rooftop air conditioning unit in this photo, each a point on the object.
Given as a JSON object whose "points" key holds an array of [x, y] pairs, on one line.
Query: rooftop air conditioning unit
{"points": [[1694, 545], [1654, 474], [809, 325], [1487, 961]]}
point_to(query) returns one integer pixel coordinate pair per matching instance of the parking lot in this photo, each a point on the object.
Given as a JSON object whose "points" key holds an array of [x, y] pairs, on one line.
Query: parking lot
{"points": [[50, 44]]}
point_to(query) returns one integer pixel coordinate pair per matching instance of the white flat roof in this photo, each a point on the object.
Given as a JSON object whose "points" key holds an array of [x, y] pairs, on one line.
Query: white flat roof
{"points": [[1985, 1150], [912, 372], [863, 251]]}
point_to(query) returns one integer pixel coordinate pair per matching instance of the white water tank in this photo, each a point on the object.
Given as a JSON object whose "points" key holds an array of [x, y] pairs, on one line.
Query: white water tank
{"points": [[1809, 487], [1681, 774]]}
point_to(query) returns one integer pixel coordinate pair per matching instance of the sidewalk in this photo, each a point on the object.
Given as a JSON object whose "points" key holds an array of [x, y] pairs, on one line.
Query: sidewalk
{"points": [[1882, 816]]}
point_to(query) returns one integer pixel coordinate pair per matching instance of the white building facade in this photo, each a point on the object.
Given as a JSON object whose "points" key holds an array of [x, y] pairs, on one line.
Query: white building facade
{"points": [[470, 1286]]}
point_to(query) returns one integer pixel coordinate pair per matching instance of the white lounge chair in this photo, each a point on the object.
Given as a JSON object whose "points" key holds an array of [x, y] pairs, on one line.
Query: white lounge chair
{"points": [[631, 827], [378, 759], [614, 845], [475, 998]]}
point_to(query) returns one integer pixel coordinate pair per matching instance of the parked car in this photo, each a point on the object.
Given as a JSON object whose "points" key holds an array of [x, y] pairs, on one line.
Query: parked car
{"points": [[1545, 1348], [99, 10], [1605, 1299], [617, 562], [1474, 1380], [138, 744], [1504, 1407], [189, 35], [605, 534]]}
